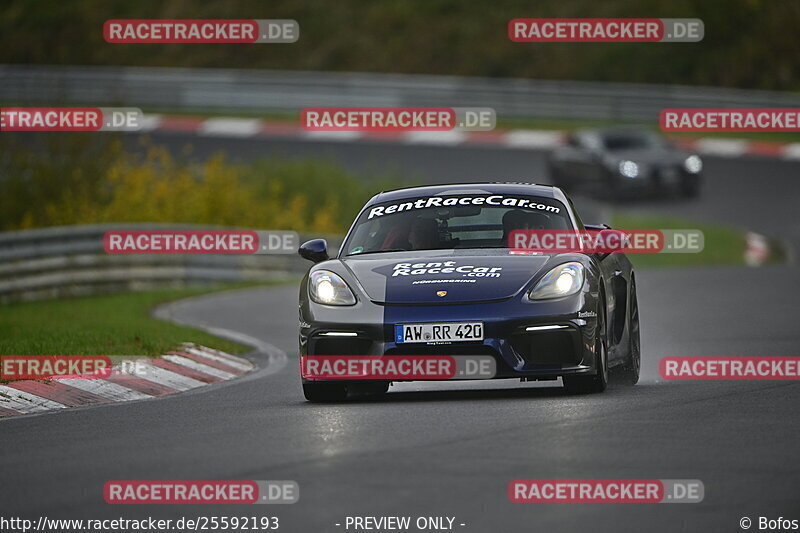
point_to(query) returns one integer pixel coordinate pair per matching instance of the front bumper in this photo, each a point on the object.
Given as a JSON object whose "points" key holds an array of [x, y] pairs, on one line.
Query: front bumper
{"points": [[513, 333], [657, 179]]}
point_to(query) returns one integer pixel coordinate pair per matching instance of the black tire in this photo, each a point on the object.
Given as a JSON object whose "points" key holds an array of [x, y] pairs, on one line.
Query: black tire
{"points": [[324, 392], [629, 371], [583, 384]]}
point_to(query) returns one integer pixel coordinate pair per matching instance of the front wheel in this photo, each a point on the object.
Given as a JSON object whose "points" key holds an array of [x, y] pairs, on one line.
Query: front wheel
{"points": [[629, 373], [582, 384]]}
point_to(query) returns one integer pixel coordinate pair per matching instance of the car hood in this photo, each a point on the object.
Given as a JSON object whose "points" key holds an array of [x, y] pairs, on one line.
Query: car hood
{"points": [[444, 277]]}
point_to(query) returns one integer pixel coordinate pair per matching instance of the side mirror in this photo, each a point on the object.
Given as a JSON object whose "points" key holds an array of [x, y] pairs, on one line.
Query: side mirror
{"points": [[612, 240], [315, 250], [596, 227]]}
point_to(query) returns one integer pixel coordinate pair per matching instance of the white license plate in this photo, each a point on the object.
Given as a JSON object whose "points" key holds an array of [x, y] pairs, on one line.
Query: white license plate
{"points": [[439, 332]]}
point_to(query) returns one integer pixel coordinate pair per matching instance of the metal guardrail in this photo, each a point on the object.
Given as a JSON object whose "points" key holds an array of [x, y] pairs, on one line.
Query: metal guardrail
{"points": [[62, 261], [229, 90], [70, 260]]}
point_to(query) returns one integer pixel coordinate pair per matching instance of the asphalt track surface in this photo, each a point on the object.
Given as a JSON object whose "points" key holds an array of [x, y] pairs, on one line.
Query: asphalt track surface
{"points": [[451, 449]]}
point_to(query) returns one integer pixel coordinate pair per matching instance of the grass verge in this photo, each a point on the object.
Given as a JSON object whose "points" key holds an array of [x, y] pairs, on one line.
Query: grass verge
{"points": [[116, 324], [722, 245]]}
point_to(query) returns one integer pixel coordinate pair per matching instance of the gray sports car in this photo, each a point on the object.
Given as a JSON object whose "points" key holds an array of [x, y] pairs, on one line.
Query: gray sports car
{"points": [[623, 162]]}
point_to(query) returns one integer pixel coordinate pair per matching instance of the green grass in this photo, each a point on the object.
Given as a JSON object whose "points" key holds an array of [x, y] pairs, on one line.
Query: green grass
{"points": [[722, 245], [117, 324]]}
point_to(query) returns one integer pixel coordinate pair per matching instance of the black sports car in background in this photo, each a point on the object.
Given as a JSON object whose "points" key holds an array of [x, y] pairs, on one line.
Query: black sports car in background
{"points": [[624, 161], [436, 256]]}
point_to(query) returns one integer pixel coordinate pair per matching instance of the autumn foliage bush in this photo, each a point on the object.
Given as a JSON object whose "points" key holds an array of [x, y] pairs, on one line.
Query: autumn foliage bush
{"points": [[75, 179]]}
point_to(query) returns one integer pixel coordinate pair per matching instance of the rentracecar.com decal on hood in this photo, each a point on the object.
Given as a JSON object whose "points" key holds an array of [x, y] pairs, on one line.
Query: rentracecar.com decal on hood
{"points": [[445, 267], [467, 278]]}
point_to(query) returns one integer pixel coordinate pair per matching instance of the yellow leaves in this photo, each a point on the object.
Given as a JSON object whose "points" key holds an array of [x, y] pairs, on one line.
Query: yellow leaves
{"points": [[324, 219], [114, 187], [27, 221], [158, 189]]}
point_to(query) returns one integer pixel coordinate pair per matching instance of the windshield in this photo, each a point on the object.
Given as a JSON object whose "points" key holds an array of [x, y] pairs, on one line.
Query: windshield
{"points": [[631, 141], [448, 222]]}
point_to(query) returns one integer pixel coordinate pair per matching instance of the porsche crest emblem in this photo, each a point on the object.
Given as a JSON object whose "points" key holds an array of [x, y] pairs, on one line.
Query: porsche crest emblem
{"points": [[441, 294]]}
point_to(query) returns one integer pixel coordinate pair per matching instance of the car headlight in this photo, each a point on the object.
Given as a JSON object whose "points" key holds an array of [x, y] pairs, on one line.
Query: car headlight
{"points": [[693, 164], [629, 169], [562, 280], [328, 288]]}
